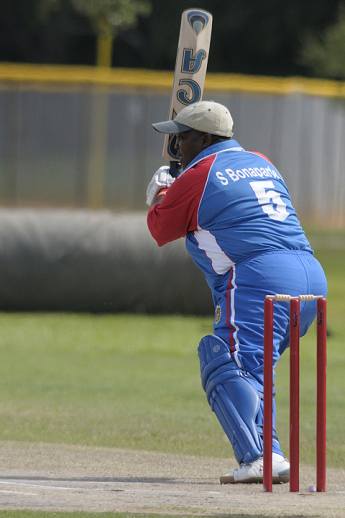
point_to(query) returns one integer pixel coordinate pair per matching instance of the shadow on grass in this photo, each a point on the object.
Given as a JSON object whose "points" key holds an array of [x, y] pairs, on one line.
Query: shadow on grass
{"points": [[132, 480], [59, 514]]}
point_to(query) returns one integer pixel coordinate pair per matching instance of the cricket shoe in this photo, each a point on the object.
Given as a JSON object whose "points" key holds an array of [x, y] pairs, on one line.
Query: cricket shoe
{"points": [[253, 472]]}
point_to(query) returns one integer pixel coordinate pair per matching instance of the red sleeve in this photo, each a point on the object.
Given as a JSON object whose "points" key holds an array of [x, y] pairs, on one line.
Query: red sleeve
{"points": [[262, 155], [177, 214]]}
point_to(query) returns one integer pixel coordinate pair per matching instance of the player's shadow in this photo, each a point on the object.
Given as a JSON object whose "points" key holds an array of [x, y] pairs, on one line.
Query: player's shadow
{"points": [[133, 480]]}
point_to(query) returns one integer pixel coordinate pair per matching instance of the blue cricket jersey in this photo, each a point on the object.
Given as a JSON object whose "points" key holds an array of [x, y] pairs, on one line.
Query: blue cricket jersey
{"points": [[242, 230], [231, 205]]}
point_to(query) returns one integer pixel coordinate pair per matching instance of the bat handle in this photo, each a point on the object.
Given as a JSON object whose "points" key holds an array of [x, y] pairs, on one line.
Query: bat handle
{"points": [[175, 168]]}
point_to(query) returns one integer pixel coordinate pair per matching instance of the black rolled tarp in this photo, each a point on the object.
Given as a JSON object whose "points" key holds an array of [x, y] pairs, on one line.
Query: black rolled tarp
{"points": [[64, 260]]}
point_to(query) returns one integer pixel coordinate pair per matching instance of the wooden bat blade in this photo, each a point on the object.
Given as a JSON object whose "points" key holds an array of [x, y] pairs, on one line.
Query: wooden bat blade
{"points": [[190, 68]]}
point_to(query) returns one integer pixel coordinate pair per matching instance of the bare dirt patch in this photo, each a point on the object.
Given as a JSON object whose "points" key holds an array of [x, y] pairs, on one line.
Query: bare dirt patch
{"points": [[70, 478]]}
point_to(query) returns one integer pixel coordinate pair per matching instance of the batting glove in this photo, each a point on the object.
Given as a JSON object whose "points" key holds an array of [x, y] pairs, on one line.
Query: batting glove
{"points": [[161, 179]]}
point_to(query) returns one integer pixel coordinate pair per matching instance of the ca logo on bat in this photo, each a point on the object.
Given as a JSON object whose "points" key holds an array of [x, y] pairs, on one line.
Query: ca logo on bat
{"points": [[191, 63]]}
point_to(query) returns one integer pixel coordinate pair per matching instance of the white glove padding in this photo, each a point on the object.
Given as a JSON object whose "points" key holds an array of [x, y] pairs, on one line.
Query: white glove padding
{"points": [[160, 180]]}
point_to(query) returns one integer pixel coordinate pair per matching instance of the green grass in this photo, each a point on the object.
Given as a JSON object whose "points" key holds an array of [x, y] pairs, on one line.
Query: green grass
{"points": [[126, 381], [133, 381]]}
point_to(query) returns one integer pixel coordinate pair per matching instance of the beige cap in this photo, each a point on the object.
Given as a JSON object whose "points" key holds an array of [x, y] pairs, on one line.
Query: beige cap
{"points": [[206, 116]]}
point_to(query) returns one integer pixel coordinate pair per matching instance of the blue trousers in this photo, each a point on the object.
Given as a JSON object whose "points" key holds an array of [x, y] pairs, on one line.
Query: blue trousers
{"points": [[240, 303], [239, 314]]}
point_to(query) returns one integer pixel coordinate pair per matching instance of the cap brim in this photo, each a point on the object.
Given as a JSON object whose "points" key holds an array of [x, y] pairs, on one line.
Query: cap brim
{"points": [[170, 127]]}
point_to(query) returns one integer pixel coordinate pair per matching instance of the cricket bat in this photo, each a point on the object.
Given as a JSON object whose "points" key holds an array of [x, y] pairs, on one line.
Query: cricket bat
{"points": [[190, 71]]}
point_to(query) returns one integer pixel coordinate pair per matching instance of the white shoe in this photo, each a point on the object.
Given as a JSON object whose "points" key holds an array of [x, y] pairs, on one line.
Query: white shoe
{"points": [[253, 472], [280, 468]]}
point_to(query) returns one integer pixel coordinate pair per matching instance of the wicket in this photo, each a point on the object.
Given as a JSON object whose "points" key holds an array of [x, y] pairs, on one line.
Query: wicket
{"points": [[295, 389]]}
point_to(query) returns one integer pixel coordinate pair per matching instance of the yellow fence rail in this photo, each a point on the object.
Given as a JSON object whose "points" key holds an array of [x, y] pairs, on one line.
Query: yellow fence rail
{"points": [[162, 80]]}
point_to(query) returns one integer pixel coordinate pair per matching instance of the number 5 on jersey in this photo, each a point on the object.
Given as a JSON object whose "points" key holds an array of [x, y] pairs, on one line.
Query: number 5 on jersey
{"points": [[270, 200]]}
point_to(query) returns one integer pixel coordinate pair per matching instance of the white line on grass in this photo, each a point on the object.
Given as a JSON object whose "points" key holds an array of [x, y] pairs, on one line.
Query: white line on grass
{"points": [[8, 491], [44, 486]]}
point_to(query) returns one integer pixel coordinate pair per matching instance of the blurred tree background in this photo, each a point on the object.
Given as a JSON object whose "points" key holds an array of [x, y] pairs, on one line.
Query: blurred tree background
{"points": [[271, 37]]}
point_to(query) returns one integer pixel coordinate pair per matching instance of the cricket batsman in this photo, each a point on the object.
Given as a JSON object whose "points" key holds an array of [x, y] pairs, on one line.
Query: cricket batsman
{"points": [[234, 210]]}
